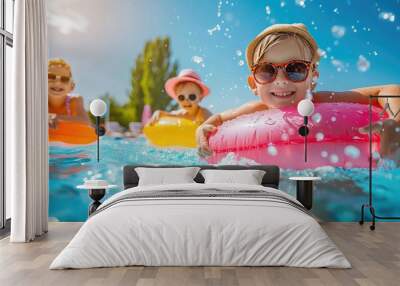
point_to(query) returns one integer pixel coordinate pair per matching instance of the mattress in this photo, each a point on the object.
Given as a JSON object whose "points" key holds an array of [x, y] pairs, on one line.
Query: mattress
{"points": [[201, 225]]}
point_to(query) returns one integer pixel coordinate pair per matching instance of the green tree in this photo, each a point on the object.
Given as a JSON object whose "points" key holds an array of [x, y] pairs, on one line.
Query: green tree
{"points": [[153, 67]]}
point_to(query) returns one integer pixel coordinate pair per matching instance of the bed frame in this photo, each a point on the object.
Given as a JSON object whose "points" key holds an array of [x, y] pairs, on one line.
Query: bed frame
{"points": [[270, 179]]}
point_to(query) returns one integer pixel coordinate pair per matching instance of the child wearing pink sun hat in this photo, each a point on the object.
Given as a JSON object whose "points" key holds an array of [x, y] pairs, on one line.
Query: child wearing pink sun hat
{"points": [[188, 90]]}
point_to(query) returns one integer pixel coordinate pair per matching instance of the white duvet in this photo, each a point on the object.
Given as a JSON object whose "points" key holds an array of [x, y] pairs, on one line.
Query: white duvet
{"points": [[185, 231]]}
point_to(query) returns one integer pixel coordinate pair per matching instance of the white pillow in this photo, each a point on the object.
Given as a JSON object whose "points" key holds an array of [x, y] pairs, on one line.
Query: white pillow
{"points": [[249, 177], [166, 176]]}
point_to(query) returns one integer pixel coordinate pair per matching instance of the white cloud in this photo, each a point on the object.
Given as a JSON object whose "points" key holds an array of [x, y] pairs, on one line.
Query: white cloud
{"points": [[65, 19]]}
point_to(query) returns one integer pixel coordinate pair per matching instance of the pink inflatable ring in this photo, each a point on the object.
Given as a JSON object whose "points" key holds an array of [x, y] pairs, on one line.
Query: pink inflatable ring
{"points": [[271, 137]]}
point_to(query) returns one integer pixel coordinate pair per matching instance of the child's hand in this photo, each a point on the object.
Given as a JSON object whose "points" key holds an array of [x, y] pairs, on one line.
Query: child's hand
{"points": [[202, 134], [155, 117], [389, 131], [53, 121]]}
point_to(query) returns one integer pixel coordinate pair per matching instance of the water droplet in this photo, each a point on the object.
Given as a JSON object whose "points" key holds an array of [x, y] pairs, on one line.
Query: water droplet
{"points": [[316, 117], [272, 150], [324, 154], [239, 53], [352, 151], [333, 119], [319, 136], [334, 158], [339, 65], [214, 29], [322, 53], [300, 3], [362, 64], [387, 16], [336, 11], [197, 59], [376, 155], [268, 10], [338, 31], [241, 63], [285, 137]]}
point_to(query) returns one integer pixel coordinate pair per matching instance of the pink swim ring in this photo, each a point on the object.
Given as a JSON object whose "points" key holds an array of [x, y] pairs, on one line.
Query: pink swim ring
{"points": [[271, 137]]}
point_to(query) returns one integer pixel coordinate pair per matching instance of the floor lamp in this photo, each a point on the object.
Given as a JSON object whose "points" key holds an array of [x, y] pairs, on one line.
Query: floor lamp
{"points": [[370, 189], [98, 108]]}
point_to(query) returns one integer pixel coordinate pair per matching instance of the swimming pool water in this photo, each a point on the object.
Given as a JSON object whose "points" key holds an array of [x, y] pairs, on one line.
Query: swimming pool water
{"points": [[337, 197]]}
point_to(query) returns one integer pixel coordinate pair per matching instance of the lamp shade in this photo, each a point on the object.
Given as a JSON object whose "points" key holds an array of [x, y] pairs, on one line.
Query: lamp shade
{"points": [[98, 107], [305, 107]]}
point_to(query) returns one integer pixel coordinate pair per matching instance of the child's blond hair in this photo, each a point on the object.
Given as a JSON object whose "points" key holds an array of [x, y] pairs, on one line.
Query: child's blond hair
{"points": [[275, 34], [274, 39], [61, 63]]}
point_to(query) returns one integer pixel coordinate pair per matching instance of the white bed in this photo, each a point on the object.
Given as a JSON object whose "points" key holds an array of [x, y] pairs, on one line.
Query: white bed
{"points": [[224, 225]]}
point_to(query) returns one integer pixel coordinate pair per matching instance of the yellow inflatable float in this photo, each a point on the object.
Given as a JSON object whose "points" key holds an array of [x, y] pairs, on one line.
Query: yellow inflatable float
{"points": [[72, 133], [171, 131]]}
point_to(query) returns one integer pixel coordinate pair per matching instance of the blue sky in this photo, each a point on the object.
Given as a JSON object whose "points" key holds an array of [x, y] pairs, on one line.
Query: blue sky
{"points": [[101, 39]]}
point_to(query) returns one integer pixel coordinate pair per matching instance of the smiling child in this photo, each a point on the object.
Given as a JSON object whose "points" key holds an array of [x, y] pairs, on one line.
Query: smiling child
{"points": [[283, 63], [62, 105]]}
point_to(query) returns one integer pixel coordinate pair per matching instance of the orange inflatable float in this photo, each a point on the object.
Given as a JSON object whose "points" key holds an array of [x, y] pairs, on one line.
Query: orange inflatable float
{"points": [[72, 133]]}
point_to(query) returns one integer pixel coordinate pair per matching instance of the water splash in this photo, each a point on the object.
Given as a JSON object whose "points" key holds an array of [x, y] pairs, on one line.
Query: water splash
{"points": [[301, 3], [339, 65], [214, 29], [338, 31], [352, 151], [198, 60], [322, 53], [316, 117], [268, 10], [334, 158], [232, 159], [271, 149], [319, 136], [387, 16], [363, 64]]}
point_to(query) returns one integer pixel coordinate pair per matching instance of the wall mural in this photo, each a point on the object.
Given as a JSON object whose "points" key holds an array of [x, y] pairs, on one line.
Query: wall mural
{"points": [[188, 83]]}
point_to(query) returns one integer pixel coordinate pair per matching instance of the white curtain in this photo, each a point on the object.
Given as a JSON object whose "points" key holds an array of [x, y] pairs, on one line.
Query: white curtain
{"points": [[26, 121]]}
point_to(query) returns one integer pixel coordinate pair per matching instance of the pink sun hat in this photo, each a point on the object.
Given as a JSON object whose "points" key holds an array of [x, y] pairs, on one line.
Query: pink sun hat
{"points": [[185, 76]]}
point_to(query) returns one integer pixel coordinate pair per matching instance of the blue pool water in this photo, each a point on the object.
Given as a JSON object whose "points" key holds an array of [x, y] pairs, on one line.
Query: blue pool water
{"points": [[337, 197]]}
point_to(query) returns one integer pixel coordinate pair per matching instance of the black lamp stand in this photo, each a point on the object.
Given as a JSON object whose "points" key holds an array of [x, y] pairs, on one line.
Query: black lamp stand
{"points": [[303, 131], [100, 131], [370, 189]]}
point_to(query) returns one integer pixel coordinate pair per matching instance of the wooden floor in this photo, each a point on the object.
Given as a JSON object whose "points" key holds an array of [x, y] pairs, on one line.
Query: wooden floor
{"points": [[375, 257]]}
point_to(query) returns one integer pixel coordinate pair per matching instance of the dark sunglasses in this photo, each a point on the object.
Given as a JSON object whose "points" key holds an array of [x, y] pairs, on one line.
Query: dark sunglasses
{"points": [[62, 78], [191, 97], [296, 71]]}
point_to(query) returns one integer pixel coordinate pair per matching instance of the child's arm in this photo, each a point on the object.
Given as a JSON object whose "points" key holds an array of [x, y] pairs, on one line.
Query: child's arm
{"points": [[156, 116], [210, 125], [360, 95], [81, 114], [387, 129]]}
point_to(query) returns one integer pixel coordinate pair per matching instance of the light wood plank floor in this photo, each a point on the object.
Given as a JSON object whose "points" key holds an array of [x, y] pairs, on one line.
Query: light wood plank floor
{"points": [[375, 257]]}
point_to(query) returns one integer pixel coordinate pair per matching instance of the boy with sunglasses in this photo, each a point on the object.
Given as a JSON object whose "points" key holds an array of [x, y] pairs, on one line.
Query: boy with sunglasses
{"points": [[63, 106], [188, 90], [283, 62]]}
